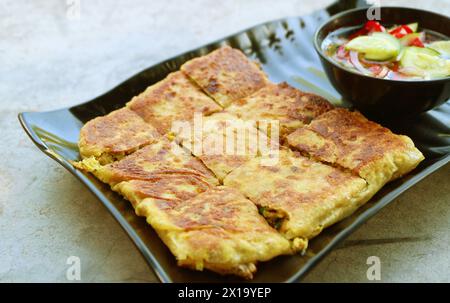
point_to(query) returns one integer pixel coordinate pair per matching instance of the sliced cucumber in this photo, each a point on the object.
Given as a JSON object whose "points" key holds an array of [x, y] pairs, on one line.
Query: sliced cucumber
{"points": [[425, 63], [414, 27], [388, 37], [422, 50], [378, 46], [443, 47]]}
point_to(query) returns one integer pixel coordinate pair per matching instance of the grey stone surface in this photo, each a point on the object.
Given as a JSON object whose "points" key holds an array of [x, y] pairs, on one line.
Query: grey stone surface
{"points": [[49, 60]]}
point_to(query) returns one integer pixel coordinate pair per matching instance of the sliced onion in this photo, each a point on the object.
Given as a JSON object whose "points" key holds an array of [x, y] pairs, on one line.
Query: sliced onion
{"points": [[341, 52], [376, 62], [354, 59], [383, 73]]}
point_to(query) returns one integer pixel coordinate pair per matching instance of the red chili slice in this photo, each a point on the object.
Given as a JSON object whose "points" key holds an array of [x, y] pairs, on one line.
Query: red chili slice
{"points": [[401, 31], [395, 66], [370, 27], [416, 42], [374, 26]]}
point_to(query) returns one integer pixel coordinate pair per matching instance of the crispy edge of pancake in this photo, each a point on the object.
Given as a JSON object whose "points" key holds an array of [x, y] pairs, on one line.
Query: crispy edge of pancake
{"points": [[166, 158], [175, 98], [169, 188], [326, 195], [219, 230], [226, 75], [334, 138], [281, 102], [112, 137], [218, 143]]}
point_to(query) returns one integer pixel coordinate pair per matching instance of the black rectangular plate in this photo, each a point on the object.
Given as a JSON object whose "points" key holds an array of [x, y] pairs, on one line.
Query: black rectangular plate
{"points": [[285, 50]]}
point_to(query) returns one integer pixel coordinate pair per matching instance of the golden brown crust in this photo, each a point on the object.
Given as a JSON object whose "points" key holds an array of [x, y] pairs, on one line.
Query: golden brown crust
{"points": [[169, 188], [161, 158], [159, 172], [306, 195], [226, 142], [226, 75], [290, 106], [115, 135], [219, 230], [349, 140], [175, 98]]}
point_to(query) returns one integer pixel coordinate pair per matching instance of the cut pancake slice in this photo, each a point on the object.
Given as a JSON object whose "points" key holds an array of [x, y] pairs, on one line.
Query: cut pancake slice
{"points": [[226, 75], [348, 140], [224, 142], [161, 158], [219, 230], [115, 135], [154, 165], [281, 102], [299, 196], [168, 188], [173, 99]]}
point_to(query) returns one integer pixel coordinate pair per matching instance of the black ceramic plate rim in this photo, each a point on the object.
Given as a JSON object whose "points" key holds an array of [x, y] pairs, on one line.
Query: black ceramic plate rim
{"points": [[319, 50], [148, 255]]}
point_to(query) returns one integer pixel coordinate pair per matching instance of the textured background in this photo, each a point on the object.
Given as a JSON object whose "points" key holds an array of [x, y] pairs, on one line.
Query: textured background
{"points": [[49, 61]]}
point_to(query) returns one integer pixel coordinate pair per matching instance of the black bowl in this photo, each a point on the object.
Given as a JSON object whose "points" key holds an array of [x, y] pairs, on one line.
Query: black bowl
{"points": [[384, 97]]}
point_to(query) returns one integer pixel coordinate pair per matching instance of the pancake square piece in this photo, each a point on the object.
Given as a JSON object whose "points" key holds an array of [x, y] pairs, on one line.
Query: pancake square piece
{"points": [[158, 163], [224, 142], [175, 98], [115, 135], [168, 188], [226, 75], [281, 102], [219, 230], [299, 196], [349, 140]]}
